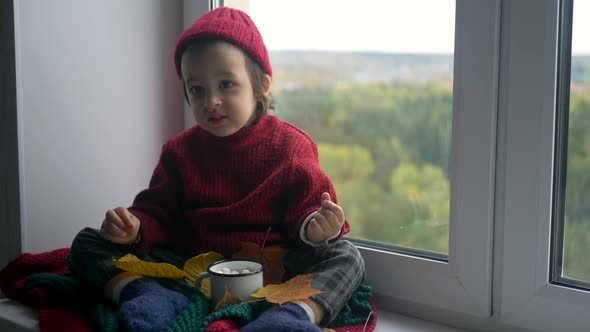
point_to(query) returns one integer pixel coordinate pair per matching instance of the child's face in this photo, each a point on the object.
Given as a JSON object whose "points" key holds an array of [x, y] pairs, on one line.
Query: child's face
{"points": [[219, 88]]}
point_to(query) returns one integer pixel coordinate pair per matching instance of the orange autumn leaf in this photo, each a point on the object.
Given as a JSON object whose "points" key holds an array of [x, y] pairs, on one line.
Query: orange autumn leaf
{"points": [[298, 288], [270, 257], [249, 251]]}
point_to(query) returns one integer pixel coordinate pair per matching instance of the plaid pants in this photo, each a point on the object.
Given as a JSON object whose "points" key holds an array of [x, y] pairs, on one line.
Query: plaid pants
{"points": [[338, 266]]}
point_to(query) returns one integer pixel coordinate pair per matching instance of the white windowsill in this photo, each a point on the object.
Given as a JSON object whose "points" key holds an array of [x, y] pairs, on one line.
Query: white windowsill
{"points": [[15, 317], [395, 322]]}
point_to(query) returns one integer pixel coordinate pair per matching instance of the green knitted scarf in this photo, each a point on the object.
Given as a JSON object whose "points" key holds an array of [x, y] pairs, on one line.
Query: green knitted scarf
{"points": [[196, 317]]}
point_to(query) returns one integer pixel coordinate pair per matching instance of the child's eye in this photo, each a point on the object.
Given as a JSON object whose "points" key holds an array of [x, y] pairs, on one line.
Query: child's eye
{"points": [[195, 90], [227, 84]]}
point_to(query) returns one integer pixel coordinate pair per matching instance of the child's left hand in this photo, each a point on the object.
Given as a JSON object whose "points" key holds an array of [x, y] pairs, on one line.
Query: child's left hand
{"points": [[327, 222]]}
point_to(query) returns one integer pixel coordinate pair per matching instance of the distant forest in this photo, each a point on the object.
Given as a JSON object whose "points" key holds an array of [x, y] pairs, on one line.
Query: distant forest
{"points": [[383, 126]]}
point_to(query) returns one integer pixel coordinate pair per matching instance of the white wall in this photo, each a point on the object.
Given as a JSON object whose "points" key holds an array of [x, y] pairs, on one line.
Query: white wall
{"points": [[192, 10], [97, 97]]}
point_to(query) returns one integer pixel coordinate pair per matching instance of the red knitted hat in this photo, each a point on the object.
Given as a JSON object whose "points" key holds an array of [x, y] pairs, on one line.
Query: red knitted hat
{"points": [[231, 25]]}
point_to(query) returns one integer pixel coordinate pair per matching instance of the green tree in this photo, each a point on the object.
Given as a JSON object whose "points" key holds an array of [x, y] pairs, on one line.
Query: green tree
{"points": [[578, 180], [350, 169], [426, 191]]}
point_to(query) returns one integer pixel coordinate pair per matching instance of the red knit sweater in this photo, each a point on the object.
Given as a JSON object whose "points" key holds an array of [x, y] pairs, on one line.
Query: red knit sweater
{"points": [[209, 193]]}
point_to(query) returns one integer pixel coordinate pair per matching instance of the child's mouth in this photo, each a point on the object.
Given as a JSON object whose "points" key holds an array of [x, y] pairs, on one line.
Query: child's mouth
{"points": [[216, 120]]}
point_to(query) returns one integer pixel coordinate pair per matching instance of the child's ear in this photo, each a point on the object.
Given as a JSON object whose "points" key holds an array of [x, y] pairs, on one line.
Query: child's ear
{"points": [[266, 83]]}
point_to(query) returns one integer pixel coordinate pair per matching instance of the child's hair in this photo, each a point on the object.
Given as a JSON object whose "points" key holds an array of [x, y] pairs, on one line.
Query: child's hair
{"points": [[237, 28]]}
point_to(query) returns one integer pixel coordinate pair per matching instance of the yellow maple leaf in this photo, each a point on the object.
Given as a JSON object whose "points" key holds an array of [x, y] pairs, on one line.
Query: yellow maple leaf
{"points": [[198, 264], [133, 264], [297, 288], [227, 299], [191, 269]]}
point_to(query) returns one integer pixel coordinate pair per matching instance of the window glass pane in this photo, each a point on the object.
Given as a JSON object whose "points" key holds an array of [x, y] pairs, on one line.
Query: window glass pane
{"points": [[371, 81], [576, 244]]}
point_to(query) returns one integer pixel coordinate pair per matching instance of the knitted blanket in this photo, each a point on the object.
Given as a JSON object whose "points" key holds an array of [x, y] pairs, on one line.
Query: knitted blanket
{"points": [[43, 281]]}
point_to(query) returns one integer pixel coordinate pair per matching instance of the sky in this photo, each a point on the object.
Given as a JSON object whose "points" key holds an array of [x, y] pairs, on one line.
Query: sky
{"points": [[376, 25], [581, 27]]}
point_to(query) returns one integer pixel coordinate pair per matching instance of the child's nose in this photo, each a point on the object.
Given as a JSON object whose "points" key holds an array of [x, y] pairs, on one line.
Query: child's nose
{"points": [[213, 100]]}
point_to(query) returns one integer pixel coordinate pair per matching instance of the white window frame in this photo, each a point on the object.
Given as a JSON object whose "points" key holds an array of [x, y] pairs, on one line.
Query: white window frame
{"points": [[528, 99], [463, 284], [504, 97]]}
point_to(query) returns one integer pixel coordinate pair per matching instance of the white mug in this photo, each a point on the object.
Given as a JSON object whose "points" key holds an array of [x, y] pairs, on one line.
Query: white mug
{"points": [[241, 277]]}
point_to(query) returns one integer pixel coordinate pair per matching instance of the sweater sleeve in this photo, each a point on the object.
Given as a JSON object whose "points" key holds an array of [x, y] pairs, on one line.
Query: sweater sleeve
{"points": [[307, 183], [158, 206]]}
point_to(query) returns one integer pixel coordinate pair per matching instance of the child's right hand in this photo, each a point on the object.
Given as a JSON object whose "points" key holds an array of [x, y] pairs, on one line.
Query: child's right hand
{"points": [[120, 226]]}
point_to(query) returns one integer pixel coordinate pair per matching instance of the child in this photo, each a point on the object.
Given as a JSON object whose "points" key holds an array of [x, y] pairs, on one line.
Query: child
{"points": [[238, 173]]}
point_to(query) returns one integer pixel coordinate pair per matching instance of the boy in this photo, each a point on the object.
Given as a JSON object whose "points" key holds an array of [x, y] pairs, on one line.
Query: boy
{"points": [[237, 174]]}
